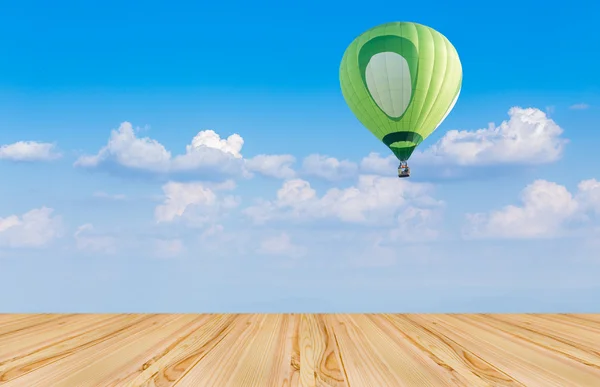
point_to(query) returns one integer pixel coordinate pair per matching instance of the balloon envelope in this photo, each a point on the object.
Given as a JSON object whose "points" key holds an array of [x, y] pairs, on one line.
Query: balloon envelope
{"points": [[401, 80]]}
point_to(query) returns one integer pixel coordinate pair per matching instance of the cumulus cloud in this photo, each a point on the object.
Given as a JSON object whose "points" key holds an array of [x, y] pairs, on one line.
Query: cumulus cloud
{"points": [[87, 239], [280, 245], [328, 168], [546, 210], [209, 139], [315, 165], [529, 137], [207, 157], [579, 106], [588, 195], [35, 228], [277, 166], [375, 200], [29, 151], [207, 153], [375, 163], [196, 203]]}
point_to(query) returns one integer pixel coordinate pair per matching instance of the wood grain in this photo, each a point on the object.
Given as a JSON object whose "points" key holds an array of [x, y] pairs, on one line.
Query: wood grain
{"points": [[309, 350]]}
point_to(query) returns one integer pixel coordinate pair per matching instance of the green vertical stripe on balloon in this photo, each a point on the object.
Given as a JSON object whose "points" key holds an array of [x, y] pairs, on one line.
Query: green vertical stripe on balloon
{"points": [[401, 78]]}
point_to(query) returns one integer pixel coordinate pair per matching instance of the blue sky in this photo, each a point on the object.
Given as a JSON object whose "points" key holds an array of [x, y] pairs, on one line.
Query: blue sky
{"points": [[500, 219]]}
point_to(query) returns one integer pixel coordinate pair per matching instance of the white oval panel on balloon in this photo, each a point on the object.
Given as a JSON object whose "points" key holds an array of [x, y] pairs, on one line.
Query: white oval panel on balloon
{"points": [[388, 81]]}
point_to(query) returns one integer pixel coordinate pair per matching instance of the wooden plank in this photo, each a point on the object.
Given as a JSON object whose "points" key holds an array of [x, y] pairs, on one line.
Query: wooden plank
{"points": [[308, 350], [21, 357], [250, 355], [466, 366], [320, 363], [524, 361]]}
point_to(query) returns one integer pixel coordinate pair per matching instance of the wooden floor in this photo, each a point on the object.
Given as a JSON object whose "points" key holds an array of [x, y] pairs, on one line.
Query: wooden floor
{"points": [[299, 350]]}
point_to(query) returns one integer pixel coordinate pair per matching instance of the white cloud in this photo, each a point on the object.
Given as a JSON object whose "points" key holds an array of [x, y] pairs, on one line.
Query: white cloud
{"points": [[529, 137], [86, 239], [375, 163], [377, 201], [196, 203], [546, 211], [588, 195], [579, 106], [280, 245], [29, 151], [35, 228], [328, 168], [209, 139], [206, 153], [277, 166]]}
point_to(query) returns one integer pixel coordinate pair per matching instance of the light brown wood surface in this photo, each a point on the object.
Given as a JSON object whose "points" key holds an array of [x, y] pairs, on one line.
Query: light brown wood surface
{"points": [[285, 350]]}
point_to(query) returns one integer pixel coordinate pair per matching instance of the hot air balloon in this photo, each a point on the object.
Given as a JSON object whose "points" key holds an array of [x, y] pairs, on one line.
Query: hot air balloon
{"points": [[401, 80]]}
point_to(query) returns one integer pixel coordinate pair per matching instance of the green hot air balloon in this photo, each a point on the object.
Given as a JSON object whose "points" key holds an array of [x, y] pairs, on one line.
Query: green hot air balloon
{"points": [[401, 80]]}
